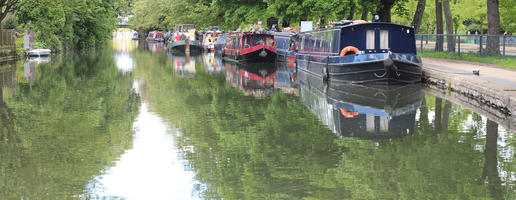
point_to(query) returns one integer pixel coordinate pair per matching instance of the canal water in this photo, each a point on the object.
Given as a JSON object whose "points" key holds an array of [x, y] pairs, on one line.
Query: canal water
{"points": [[131, 121]]}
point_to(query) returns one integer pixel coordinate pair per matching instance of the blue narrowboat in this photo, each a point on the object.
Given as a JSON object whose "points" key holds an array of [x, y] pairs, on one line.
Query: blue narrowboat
{"points": [[220, 44], [361, 52], [285, 48]]}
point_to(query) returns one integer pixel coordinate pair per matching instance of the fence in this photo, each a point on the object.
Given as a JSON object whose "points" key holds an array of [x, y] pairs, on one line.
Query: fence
{"points": [[7, 45], [465, 43]]}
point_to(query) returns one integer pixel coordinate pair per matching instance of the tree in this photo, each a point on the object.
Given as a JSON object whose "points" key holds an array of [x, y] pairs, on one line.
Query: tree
{"points": [[439, 25], [418, 15], [493, 27], [449, 25], [67, 24], [384, 11], [6, 6]]}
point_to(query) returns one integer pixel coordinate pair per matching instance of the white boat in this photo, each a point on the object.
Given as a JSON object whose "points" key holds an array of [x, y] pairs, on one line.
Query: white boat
{"points": [[38, 52]]}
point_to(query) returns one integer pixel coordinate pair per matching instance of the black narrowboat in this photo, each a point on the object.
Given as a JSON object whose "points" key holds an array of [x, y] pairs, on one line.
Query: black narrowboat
{"points": [[250, 47], [361, 52], [285, 47]]}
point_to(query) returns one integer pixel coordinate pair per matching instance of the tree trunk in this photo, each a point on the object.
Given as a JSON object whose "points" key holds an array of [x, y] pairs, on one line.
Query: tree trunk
{"points": [[385, 11], [364, 14], [493, 27], [439, 25], [6, 6], [449, 25], [418, 15]]}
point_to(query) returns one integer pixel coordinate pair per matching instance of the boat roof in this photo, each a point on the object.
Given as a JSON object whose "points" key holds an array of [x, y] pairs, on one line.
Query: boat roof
{"points": [[248, 33], [284, 34], [343, 25]]}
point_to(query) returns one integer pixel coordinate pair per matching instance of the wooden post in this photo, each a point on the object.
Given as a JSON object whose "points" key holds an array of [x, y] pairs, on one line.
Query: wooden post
{"points": [[187, 44], [459, 45]]}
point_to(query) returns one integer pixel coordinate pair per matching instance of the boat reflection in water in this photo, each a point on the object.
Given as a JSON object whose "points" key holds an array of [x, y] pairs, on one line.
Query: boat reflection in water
{"points": [[154, 46], [285, 79], [184, 65], [253, 78], [362, 111], [213, 63], [29, 66]]}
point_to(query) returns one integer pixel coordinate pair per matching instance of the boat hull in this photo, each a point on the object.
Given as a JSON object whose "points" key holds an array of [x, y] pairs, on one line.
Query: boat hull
{"points": [[259, 55], [378, 68], [286, 56], [180, 46]]}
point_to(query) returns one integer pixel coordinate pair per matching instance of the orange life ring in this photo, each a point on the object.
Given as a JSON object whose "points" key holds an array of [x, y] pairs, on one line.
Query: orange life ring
{"points": [[348, 49]]}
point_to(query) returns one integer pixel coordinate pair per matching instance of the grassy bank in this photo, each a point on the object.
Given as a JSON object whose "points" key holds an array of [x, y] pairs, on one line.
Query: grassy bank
{"points": [[507, 62]]}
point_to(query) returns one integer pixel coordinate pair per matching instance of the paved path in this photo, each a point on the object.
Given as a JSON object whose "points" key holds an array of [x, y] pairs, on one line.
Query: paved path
{"points": [[504, 79]]}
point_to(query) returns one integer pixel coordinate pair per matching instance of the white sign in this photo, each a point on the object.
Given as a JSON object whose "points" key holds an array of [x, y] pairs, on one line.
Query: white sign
{"points": [[306, 26]]}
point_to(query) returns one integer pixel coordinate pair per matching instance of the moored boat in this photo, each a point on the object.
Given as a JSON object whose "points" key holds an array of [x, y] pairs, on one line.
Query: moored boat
{"points": [[135, 35], [209, 40], [155, 36], [250, 47], [220, 44], [38, 53], [184, 40], [361, 52], [284, 43]]}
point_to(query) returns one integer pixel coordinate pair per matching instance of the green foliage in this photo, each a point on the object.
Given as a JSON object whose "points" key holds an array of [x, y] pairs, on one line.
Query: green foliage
{"points": [[9, 22], [233, 14], [507, 13], [164, 14], [63, 24]]}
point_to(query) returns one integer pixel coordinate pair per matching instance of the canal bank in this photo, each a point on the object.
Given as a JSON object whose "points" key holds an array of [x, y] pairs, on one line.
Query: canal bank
{"points": [[493, 90]]}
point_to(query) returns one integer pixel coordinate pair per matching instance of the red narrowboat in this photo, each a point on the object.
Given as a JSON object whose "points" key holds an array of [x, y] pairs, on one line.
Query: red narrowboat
{"points": [[250, 47]]}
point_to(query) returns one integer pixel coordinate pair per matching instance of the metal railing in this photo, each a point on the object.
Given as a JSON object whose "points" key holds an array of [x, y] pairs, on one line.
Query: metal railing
{"points": [[465, 43], [7, 45]]}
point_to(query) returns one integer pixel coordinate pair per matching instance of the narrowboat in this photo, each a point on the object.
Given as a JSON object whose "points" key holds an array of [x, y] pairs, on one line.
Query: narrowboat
{"points": [[135, 36], [361, 52], [209, 39], [155, 36], [184, 36], [38, 52], [250, 47], [285, 47], [220, 44], [363, 111]]}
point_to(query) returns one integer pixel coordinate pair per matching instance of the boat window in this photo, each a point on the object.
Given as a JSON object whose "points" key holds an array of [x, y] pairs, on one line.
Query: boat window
{"points": [[269, 40], [370, 39], [238, 42], [247, 42], [257, 40], [384, 39]]}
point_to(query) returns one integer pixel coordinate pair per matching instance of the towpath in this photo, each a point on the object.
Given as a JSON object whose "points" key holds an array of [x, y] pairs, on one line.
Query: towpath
{"points": [[503, 79], [493, 90]]}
